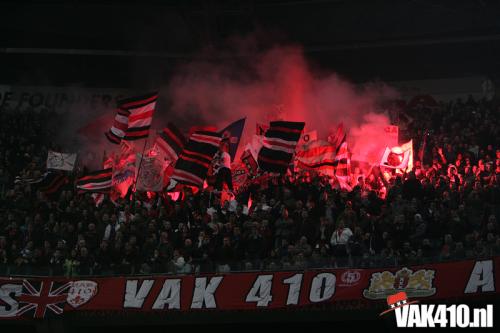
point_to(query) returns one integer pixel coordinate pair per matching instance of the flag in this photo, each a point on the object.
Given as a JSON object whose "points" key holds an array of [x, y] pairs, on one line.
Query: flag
{"points": [[233, 133], [49, 182], [342, 165], [25, 180], [318, 155], [249, 161], [335, 138], [42, 298], [126, 149], [98, 198], [133, 118], [150, 174], [260, 129], [204, 128], [408, 146], [108, 162], [239, 174], [120, 125], [124, 171], [53, 182], [61, 161], [96, 181], [399, 157], [140, 115], [170, 142], [192, 166], [308, 137], [278, 145]]}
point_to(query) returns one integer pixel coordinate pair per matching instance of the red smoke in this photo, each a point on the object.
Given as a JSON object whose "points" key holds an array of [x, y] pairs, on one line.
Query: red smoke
{"points": [[264, 86], [277, 84]]}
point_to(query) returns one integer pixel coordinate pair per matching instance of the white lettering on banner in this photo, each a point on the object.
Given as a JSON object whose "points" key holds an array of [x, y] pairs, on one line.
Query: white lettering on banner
{"points": [[204, 294], [323, 287], [7, 294], [135, 299], [295, 283], [481, 278], [170, 294], [261, 290], [58, 98]]}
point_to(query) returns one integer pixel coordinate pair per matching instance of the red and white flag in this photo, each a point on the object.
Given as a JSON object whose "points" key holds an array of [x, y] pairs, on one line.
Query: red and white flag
{"points": [[239, 174], [96, 181], [124, 172], [343, 165], [170, 142], [318, 155], [141, 110], [398, 157], [133, 118], [98, 198], [120, 124], [335, 137], [308, 137], [249, 160]]}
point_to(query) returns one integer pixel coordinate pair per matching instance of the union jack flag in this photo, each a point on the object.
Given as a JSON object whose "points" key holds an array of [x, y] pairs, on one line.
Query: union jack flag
{"points": [[42, 296]]}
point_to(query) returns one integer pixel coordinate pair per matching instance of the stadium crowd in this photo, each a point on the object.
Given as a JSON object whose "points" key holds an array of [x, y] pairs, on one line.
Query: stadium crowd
{"points": [[447, 208]]}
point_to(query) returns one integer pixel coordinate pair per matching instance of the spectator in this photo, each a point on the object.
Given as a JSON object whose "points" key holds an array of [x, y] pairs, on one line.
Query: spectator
{"points": [[444, 209], [339, 241]]}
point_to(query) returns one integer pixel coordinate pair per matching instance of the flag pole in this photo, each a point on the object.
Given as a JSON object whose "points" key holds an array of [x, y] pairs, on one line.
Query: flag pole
{"points": [[140, 163]]}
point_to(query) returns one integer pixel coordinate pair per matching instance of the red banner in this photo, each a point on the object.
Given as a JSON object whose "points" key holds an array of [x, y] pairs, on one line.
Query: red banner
{"points": [[40, 297]]}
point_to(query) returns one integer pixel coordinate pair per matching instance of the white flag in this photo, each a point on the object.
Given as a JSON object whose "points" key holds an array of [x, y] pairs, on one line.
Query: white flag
{"points": [[150, 177], [61, 161], [399, 157], [308, 137]]}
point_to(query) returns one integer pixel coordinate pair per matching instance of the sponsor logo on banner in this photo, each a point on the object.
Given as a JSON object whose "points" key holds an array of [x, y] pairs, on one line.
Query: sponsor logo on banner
{"points": [[350, 278], [415, 283], [81, 292]]}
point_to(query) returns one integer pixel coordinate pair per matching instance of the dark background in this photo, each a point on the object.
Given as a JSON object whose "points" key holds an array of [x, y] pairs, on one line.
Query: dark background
{"points": [[113, 43]]}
